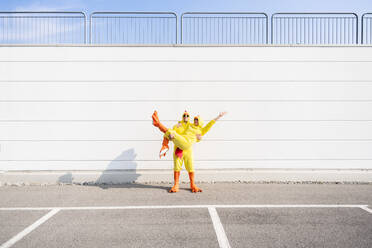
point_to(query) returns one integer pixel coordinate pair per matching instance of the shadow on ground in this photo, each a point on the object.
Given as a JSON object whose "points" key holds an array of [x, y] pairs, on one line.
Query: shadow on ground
{"points": [[115, 177]]}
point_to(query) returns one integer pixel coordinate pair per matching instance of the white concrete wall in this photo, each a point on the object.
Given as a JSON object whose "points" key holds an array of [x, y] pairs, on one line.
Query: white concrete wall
{"points": [[89, 108]]}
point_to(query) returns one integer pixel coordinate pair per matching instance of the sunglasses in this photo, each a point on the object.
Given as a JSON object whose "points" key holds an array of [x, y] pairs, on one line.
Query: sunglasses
{"points": [[186, 116]]}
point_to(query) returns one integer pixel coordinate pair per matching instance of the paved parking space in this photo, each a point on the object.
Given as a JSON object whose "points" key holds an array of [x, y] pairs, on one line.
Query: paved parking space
{"points": [[297, 227], [224, 215], [195, 226], [13, 222], [125, 228]]}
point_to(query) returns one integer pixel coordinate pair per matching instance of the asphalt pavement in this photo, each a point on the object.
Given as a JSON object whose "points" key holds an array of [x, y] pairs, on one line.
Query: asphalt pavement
{"points": [[146, 215]]}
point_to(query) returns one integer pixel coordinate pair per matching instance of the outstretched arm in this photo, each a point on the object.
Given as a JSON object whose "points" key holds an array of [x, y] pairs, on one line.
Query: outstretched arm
{"points": [[220, 115], [211, 123]]}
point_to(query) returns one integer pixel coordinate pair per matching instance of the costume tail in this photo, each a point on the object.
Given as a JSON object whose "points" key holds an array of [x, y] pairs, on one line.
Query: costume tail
{"points": [[178, 152]]}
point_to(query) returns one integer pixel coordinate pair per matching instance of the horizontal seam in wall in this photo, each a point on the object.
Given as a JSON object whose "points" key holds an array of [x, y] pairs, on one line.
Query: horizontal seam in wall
{"points": [[208, 160], [288, 120], [206, 140], [185, 61], [187, 100], [199, 169], [184, 81], [175, 84]]}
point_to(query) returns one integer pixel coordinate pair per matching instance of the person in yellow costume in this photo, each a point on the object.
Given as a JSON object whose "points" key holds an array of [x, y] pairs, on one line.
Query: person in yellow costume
{"points": [[192, 133], [180, 127]]}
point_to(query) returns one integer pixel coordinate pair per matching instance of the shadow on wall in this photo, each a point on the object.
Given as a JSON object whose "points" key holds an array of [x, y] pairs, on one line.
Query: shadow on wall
{"points": [[66, 178], [114, 176]]}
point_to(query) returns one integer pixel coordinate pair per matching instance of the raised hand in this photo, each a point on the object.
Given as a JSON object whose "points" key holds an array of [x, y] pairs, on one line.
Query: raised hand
{"points": [[220, 115]]}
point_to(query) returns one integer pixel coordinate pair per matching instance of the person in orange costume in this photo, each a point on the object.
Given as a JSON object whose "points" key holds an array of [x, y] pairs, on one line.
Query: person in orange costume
{"points": [[192, 133]]}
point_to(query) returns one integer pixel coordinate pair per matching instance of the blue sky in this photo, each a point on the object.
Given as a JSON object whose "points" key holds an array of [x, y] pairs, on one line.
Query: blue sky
{"points": [[180, 6]]}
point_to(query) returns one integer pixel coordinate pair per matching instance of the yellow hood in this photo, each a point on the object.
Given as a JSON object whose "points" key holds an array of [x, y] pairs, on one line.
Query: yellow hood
{"points": [[183, 115], [201, 121]]}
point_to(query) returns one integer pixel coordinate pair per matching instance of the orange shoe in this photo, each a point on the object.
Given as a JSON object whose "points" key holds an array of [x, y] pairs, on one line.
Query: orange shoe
{"points": [[193, 187], [176, 186], [156, 122]]}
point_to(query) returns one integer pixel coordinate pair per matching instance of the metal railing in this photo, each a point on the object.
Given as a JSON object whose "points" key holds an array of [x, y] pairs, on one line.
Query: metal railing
{"points": [[367, 28], [217, 28], [224, 28], [133, 28], [42, 28], [314, 28]]}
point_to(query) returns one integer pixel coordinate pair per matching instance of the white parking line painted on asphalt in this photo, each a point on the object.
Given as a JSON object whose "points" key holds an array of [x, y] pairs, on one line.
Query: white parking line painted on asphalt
{"points": [[218, 228], [191, 206], [367, 209], [29, 229]]}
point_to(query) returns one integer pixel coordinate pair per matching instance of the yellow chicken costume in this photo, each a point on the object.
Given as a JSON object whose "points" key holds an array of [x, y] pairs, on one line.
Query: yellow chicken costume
{"points": [[180, 127], [189, 137], [183, 137]]}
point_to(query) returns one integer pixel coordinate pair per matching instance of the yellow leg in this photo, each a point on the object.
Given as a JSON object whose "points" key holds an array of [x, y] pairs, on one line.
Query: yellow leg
{"points": [[188, 159], [189, 164], [178, 140], [177, 162]]}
